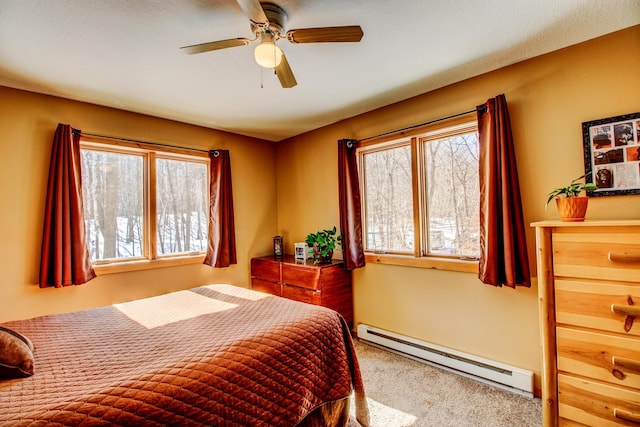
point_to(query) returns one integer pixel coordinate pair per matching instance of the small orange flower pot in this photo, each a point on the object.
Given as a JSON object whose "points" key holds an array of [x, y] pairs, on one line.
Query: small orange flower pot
{"points": [[572, 209]]}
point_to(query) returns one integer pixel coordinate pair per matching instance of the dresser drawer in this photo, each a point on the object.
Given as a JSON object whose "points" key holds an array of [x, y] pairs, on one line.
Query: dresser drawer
{"points": [[301, 276], [608, 254], [267, 286], [597, 404], [300, 294], [605, 357], [265, 269], [589, 304], [328, 285]]}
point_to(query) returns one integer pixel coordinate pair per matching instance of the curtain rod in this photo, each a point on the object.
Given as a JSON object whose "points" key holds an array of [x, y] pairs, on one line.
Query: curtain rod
{"points": [[141, 142], [481, 108]]}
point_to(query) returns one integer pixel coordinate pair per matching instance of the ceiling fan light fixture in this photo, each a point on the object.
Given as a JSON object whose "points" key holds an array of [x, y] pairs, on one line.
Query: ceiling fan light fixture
{"points": [[268, 55]]}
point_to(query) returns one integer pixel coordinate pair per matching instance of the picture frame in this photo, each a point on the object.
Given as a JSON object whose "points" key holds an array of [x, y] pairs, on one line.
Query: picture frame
{"points": [[612, 154], [278, 247]]}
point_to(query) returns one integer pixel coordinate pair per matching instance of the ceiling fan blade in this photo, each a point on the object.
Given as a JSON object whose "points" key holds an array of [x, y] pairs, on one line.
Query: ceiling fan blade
{"points": [[220, 44], [351, 33], [254, 11], [284, 73]]}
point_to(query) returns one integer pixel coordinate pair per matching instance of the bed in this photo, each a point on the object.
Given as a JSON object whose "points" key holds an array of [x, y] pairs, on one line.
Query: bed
{"points": [[216, 355]]}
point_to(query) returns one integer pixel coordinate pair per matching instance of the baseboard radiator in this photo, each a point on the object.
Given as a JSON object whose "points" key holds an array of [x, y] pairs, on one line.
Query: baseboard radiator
{"points": [[498, 374]]}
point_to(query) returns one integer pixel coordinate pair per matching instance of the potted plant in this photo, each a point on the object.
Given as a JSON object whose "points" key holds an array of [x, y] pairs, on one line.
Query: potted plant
{"points": [[322, 243], [571, 205]]}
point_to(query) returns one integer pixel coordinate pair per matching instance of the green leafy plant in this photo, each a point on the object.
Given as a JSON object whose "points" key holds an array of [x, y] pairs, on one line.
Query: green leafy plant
{"points": [[572, 190], [322, 243]]}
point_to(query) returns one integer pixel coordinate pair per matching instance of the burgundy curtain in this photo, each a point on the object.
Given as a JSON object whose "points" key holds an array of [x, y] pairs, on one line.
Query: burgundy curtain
{"points": [[222, 241], [65, 256], [503, 247], [350, 206]]}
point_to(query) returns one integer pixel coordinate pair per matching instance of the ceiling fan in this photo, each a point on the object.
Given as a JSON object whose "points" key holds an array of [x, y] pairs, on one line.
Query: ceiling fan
{"points": [[267, 23]]}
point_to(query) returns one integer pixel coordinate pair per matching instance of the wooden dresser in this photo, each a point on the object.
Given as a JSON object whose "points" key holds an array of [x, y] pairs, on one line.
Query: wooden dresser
{"points": [[328, 285], [589, 294]]}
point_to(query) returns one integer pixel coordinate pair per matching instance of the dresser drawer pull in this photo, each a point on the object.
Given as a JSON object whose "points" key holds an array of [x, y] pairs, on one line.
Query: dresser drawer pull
{"points": [[631, 311], [627, 310], [626, 415], [624, 257], [623, 362]]}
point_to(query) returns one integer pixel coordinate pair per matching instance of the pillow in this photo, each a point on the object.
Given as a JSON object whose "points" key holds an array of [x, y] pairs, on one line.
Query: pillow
{"points": [[16, 354]]}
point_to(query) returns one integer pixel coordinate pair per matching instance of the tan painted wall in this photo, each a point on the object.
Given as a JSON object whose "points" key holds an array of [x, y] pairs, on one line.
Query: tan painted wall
{"points": [[549, 97], [28, 122]]}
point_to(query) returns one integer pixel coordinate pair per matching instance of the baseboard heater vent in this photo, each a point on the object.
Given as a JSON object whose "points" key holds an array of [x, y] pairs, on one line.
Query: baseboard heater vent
{"points": [[498, 374]]}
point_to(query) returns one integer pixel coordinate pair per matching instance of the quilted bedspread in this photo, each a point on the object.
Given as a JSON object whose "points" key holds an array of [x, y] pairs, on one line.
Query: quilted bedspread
{"points": [[217, 355]]}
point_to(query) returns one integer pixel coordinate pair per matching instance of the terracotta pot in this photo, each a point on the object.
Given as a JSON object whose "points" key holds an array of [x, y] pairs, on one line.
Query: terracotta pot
{"points": [[572, 209]]}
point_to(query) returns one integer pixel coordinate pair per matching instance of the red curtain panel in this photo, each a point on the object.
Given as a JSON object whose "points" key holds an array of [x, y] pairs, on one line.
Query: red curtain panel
{"points": [[350, 205], [503, 247], [65, 256], [221, 251]]}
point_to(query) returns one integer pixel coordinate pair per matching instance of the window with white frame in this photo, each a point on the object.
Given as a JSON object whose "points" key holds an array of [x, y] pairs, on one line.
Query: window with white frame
{"points": [[143, 203], [421, 192]]}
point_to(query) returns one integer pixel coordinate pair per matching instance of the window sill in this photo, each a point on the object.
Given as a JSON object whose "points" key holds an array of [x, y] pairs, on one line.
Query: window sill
{"points": [[432, 263], [123, 267]]}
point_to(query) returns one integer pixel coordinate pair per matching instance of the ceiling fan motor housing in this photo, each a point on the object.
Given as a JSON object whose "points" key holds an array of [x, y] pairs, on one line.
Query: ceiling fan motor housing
{"points": [[277, 18]]}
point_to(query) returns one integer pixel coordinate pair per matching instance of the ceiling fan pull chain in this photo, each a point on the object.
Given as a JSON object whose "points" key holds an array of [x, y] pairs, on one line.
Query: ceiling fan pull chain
{"points": [[275, 57]]}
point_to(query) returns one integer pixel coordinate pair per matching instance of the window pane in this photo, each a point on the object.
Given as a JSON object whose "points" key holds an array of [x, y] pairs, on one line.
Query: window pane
{"points": [[453, 195], [182, 205], [389, 200], [113, 204]]}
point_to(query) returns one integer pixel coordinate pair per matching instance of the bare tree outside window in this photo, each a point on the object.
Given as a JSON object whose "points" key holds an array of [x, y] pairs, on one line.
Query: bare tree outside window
{"points": [[443, 188], [116, 214], [112, 192], [389, 200], [453, 195], [181, 206]]}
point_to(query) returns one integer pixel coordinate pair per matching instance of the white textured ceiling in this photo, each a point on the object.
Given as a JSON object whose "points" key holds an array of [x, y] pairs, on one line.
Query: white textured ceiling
{"points": [[125, 54]]}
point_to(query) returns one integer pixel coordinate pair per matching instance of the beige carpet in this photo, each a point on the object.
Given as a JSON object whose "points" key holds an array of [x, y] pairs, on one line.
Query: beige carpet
{"points": [[403, 392]]}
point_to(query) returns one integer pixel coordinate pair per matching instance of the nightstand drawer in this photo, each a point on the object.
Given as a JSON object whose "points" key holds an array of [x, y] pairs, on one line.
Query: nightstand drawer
{"points": [[301, 276], [589, 304], [328, 285], [300, 294], [596, 404], [274, 288], [610, 254], [605, 357], [265, 269]]}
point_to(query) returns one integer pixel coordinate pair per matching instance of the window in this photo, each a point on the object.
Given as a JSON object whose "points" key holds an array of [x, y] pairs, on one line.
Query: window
{"points": [[421, 193], [142, 204]]}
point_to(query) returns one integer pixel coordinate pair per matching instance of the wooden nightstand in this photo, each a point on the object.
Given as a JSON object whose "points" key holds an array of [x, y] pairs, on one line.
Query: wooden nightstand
{"points": [[328, 285]]}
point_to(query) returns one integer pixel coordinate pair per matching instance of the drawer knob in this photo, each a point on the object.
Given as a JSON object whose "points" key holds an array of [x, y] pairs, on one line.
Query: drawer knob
{"points": [[623, 362], [626, 415], [627, 310], [631, 311], [624, 257]]}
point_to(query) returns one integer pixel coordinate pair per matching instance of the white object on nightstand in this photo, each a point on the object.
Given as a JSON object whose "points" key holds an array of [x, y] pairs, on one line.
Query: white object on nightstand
{"points": [[302, 251]]}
